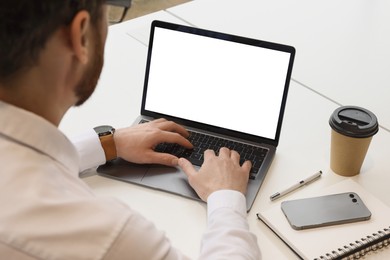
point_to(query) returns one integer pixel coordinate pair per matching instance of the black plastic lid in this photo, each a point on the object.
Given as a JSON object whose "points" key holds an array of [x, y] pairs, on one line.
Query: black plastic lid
{"points": [[354, 121]]}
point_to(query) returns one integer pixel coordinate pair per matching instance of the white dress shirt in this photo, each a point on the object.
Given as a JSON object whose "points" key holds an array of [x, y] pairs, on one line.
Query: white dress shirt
{"points": [[48, 212]]}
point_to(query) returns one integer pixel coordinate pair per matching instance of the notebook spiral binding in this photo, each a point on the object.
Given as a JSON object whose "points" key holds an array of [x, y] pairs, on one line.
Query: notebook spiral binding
{"points": [[360, 247]]}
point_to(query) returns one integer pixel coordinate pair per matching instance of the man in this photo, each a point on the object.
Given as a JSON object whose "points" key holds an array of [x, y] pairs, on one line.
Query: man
{"points": [[51, 55]]}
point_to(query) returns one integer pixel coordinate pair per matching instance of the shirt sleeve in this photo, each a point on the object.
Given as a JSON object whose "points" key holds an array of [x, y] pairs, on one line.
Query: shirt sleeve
{"points": [[90, 150], [228, 235]]}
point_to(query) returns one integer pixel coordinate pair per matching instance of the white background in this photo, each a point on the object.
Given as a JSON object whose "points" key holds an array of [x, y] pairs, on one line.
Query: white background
{"points": [[217, 82]]}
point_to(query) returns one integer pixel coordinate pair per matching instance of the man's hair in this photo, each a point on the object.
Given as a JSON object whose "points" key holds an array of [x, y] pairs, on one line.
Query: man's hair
{"points": [[26, 25]]}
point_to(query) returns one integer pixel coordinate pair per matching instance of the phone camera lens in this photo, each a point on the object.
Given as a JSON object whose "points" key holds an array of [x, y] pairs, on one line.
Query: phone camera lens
{"points": [[354, 200], [351, 195]]}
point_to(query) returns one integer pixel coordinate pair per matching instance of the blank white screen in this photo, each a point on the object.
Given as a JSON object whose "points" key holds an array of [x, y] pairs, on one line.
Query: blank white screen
{"points": [[216, 82]]}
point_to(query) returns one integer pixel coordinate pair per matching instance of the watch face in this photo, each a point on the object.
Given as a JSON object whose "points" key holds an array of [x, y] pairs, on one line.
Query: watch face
{"points": [[104, 130]]}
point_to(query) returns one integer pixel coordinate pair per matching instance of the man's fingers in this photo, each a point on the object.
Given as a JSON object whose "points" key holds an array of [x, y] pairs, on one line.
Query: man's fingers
{"points": [[170, 137], [209, 154], [235, 156], [162, 158], [247, 165], [224, 152], [187, 167], [170, 126]]}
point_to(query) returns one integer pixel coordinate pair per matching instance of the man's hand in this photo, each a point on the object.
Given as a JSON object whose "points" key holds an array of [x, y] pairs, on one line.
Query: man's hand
{"points": [[136, 144], [221, 172]]}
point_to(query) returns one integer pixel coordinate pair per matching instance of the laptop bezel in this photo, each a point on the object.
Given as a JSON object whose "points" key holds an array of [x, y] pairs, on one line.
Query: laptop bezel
{"points": [[221, 36]]}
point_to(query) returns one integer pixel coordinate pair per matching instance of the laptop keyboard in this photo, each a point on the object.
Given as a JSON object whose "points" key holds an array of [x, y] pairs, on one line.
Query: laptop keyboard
{"points": [[202, 142]]}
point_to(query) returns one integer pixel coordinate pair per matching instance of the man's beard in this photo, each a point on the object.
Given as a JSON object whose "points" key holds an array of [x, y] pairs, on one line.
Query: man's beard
{"points": [[88, 82]]}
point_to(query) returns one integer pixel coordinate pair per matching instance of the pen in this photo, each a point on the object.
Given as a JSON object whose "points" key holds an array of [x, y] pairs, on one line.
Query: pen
{"points": [[311, 178]]}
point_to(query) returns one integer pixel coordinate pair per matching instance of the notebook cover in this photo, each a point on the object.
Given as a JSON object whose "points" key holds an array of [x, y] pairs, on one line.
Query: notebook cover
{"points": [[313, 243]]}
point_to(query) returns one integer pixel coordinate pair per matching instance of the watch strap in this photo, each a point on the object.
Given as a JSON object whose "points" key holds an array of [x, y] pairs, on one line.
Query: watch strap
{"points": [[108, 144]]}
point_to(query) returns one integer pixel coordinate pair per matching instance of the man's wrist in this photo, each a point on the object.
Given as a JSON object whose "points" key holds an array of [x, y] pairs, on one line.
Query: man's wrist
{"points": [[106, 136]]}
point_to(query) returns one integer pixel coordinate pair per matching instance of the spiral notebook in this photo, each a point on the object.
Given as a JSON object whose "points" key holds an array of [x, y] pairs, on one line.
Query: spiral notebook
{"points": [[340, 241]]}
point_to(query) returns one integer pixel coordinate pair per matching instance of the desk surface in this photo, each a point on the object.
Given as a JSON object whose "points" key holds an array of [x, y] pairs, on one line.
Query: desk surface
{"points": [[303, 150]]}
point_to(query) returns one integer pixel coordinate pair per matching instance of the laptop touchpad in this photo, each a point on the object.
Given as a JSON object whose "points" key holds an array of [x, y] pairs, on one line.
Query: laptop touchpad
{"points": [[123, 170], [169, 179]]}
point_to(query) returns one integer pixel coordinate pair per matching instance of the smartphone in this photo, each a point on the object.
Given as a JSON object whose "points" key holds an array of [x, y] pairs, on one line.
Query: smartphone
{"points": [[325, 210]]}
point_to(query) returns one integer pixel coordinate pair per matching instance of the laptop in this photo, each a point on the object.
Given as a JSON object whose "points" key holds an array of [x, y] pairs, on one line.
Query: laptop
{"points": [[224, 86]]}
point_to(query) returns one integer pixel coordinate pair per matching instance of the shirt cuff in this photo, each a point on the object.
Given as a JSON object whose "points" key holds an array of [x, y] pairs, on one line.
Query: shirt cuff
{"points": [[90, 150], [232, 199]]}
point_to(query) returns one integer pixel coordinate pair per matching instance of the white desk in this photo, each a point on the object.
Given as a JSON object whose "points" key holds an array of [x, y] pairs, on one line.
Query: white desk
{"points": [[139, 28], [342, 46], [302, 151]]}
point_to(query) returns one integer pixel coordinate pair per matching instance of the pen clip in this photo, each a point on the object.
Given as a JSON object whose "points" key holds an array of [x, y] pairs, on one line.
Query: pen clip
{"points": [[274, 196]]}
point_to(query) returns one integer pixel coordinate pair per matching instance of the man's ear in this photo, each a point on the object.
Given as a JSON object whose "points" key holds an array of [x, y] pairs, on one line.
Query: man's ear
{"points": [[79, 38]]}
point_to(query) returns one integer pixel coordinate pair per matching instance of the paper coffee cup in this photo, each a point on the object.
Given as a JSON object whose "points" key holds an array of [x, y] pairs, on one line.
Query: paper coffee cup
{"points": [[352, 131]]}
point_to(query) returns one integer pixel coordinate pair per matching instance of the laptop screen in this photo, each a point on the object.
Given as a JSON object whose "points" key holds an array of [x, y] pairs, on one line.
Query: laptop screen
{"points": [[217, 79]]}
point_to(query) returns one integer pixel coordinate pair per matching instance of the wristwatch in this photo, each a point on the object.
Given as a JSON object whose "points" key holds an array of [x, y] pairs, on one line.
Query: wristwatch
{"points": [[106, 136]]}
